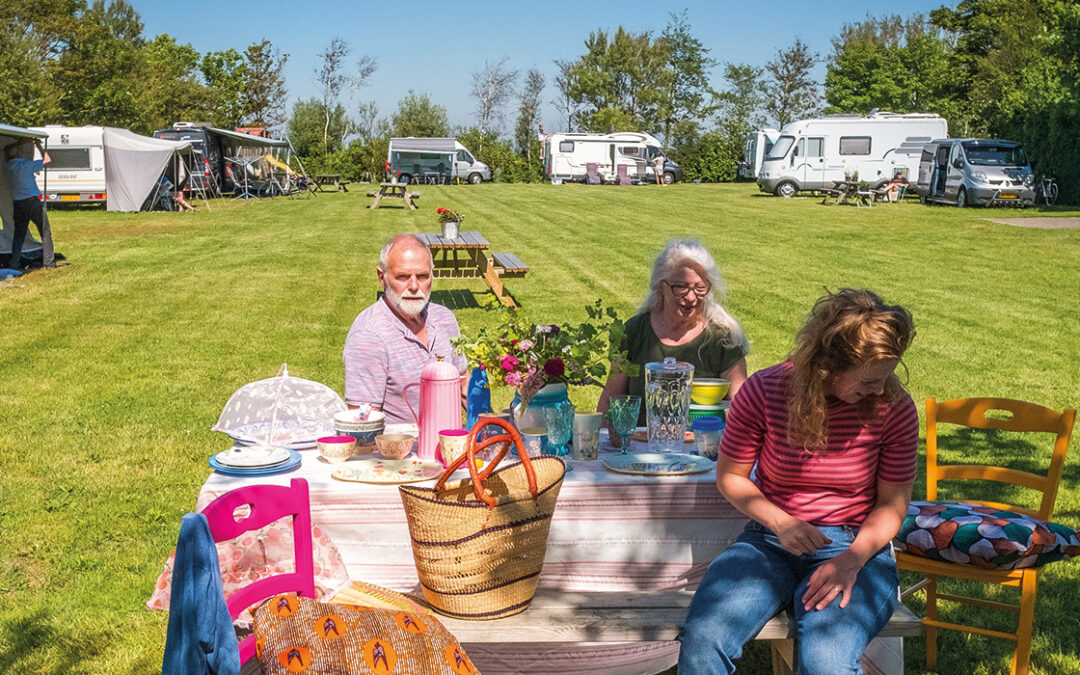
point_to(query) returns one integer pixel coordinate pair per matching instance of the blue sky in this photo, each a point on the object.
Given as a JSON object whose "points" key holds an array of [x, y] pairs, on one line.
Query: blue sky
{"points": [[434, 47]]}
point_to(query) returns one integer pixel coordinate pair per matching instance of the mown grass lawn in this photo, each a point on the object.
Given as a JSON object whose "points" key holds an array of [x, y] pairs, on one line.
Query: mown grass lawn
{"points": [[114, 367]]}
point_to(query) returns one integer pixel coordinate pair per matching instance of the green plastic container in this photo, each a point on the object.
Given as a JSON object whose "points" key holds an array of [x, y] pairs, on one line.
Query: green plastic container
{"points": [[718, 410]]}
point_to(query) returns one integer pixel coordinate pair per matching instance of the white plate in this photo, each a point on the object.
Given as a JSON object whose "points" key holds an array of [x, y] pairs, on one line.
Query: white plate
{"points": [[409, 428], [250, 456], [410, 470], [658, 464]]}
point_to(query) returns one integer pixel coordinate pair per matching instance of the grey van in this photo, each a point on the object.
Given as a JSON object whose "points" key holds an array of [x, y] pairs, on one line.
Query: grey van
{"points": [[975, 171]]}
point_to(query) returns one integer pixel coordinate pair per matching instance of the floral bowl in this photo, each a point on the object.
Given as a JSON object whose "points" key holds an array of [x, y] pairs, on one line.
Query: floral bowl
{"points": [[395, 446], [336, 449]]}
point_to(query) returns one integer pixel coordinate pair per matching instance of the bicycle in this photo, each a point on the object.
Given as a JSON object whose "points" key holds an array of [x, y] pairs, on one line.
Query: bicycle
{"points": [[1047, 190]]}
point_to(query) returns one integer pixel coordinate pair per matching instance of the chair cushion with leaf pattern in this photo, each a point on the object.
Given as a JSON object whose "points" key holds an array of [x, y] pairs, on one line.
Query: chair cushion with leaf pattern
{"points": [[983, 536], [301, 635]]}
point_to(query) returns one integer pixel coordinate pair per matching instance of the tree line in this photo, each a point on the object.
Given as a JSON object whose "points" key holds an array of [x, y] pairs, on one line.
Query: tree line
{"points": [[991, 67]]}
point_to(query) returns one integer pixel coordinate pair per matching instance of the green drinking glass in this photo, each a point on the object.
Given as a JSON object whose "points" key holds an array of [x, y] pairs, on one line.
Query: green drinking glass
{"points": [[624, 411]]}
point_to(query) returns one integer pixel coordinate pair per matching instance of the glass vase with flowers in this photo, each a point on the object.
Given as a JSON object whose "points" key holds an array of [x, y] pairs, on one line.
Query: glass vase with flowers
{"points": [[539, 360]]}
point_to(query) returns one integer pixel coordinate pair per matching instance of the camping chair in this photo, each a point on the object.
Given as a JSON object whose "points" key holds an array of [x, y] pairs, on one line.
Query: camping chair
{"points": [[592, 176], [1011, 416], [267, 503], [624, 177]]}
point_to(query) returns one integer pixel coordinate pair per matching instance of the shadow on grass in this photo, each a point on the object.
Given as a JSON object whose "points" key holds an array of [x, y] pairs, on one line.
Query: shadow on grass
{"points": [[455, 299], [991, 447], [33, 642]]}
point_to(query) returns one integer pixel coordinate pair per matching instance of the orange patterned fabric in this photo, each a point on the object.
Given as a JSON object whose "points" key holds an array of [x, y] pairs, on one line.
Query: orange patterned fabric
{"points": [[301, 635]]}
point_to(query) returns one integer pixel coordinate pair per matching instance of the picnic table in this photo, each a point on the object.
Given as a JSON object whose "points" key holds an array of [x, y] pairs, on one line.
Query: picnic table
{"points": [[624, 555], [394, 191], [842, 190], [466, 257], [324, 179]]}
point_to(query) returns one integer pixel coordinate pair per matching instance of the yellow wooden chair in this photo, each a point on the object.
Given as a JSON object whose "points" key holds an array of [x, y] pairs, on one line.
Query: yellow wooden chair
{"points": [[972, 413]]}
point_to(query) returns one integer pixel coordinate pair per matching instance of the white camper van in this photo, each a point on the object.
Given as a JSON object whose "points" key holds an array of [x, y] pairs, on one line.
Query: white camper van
{"points": [[566, 157], [77, 170], [433, 160], [975, 171], [758, 145], [811, 154]]}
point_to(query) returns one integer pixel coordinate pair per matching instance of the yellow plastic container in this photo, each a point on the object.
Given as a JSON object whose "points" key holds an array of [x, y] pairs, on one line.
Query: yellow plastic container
{"points": [[709, 391]]}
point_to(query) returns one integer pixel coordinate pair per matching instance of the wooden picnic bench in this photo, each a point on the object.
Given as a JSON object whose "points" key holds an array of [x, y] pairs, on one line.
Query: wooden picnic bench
{"points": [[465, 257], [643, 616], [323, 180], [394, 191]]}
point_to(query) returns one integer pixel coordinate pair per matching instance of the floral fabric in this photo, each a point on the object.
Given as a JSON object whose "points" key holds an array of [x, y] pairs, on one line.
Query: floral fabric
{"points": [[983, 536], [259, 554]]}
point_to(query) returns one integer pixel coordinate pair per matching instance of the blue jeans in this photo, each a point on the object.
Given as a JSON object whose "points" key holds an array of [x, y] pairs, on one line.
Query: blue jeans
{"points": [[755, 578]]}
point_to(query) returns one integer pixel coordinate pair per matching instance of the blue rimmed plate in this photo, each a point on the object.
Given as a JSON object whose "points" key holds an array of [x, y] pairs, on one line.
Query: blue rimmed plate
{"points": [[291, 463], [658, 464]]}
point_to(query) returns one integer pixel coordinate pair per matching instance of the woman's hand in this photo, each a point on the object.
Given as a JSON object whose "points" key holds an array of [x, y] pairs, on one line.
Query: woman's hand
{"points": [[835, 577], [799, 537]]}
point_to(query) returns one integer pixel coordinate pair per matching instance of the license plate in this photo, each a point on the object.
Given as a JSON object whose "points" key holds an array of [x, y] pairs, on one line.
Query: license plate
{"points": [[69, 198], [1007, 196]]}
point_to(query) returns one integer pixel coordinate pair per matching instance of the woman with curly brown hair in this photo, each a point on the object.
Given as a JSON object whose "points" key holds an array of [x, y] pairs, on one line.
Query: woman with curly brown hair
{"points": [[819, 451]]}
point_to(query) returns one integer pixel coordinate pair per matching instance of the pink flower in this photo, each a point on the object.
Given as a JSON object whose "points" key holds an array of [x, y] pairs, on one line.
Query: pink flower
{"points": [[525, 345], [509, 362], [513, 379], [554, 368]]}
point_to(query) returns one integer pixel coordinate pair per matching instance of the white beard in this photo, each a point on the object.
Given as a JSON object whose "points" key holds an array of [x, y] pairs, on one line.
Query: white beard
{"points": [[410, 307]]}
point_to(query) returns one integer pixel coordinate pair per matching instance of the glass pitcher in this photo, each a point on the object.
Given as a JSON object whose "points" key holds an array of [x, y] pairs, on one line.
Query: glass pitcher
{"points": [[667, 403]]}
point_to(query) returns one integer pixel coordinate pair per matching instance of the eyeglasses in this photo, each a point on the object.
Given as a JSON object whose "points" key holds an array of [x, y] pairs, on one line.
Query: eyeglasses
{"points": [[682, 290]]}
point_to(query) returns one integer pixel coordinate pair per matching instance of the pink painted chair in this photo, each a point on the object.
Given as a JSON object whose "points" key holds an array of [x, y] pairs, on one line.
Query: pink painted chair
{"points": [[268, 503]]}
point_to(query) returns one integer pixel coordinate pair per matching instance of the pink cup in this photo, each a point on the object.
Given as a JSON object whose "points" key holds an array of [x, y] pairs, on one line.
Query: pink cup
{"points": [[452, 444]]}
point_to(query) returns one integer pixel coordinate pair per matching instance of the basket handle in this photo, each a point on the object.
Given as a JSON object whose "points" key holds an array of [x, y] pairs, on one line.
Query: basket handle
{"points": [[472, 448]]}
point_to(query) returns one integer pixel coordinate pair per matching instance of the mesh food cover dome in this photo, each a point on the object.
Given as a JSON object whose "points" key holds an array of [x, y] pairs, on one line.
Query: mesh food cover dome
{"points": [[280, 411]]}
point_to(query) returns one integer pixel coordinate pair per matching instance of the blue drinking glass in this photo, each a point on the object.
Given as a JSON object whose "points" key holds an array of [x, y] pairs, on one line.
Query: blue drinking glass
{"points": [[624, 411], [560, 427]]}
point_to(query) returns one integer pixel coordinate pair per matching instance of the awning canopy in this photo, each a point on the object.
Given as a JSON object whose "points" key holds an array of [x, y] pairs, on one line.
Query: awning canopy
{"points": [[133, 166], [10, 134], [238, 138]]}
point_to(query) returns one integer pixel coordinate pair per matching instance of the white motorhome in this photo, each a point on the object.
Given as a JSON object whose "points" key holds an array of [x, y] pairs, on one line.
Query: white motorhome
{"points": [[758, 145], [566, 157], [812, 154], [433, 160], [76, 172]]}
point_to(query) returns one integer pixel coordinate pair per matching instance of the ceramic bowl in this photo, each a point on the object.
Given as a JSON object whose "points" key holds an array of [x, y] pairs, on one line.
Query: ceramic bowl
{"points": [[706, 391], [336, 449], [395, 446], [362, 436], [348, 421]]}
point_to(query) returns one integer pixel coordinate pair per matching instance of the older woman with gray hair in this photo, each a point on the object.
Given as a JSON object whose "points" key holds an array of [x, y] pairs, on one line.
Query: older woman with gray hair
{"points": [[681, 317]]}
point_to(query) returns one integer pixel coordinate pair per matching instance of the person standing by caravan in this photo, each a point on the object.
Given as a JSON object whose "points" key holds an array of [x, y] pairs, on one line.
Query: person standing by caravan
{"points": [[27, 204], [658, 168]]}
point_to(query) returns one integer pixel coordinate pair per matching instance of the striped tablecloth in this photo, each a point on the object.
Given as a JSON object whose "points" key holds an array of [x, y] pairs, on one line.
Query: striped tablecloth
{"points": [[610, 531]]}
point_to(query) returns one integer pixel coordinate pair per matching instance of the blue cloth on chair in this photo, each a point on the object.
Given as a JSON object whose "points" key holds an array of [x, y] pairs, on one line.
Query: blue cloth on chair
{"points": [[200, 638], [478, 398]]}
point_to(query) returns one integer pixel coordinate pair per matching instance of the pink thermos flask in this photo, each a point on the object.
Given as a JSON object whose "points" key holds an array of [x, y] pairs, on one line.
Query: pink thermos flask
{"points": [[440, 404]]}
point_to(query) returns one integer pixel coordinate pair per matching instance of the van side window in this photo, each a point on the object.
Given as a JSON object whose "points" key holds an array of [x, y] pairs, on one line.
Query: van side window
{"points": [[630, 151], [854, 145], [566, 146], [800, 148], [815, 147]]}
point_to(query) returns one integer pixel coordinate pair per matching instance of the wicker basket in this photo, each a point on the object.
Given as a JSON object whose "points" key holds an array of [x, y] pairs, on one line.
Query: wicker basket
{"points": [[479, 543]]}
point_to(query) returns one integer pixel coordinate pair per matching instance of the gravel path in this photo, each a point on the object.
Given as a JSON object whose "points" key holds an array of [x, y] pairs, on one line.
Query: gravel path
{"points": [[1041, 223]]}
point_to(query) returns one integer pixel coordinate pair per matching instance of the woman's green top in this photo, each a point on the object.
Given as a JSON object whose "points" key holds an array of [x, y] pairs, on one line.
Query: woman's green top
{"points": [[706, 353]]}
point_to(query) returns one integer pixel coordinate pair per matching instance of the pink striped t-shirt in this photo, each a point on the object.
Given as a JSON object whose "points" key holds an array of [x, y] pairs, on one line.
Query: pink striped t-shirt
{"points": [[834, 486]]}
